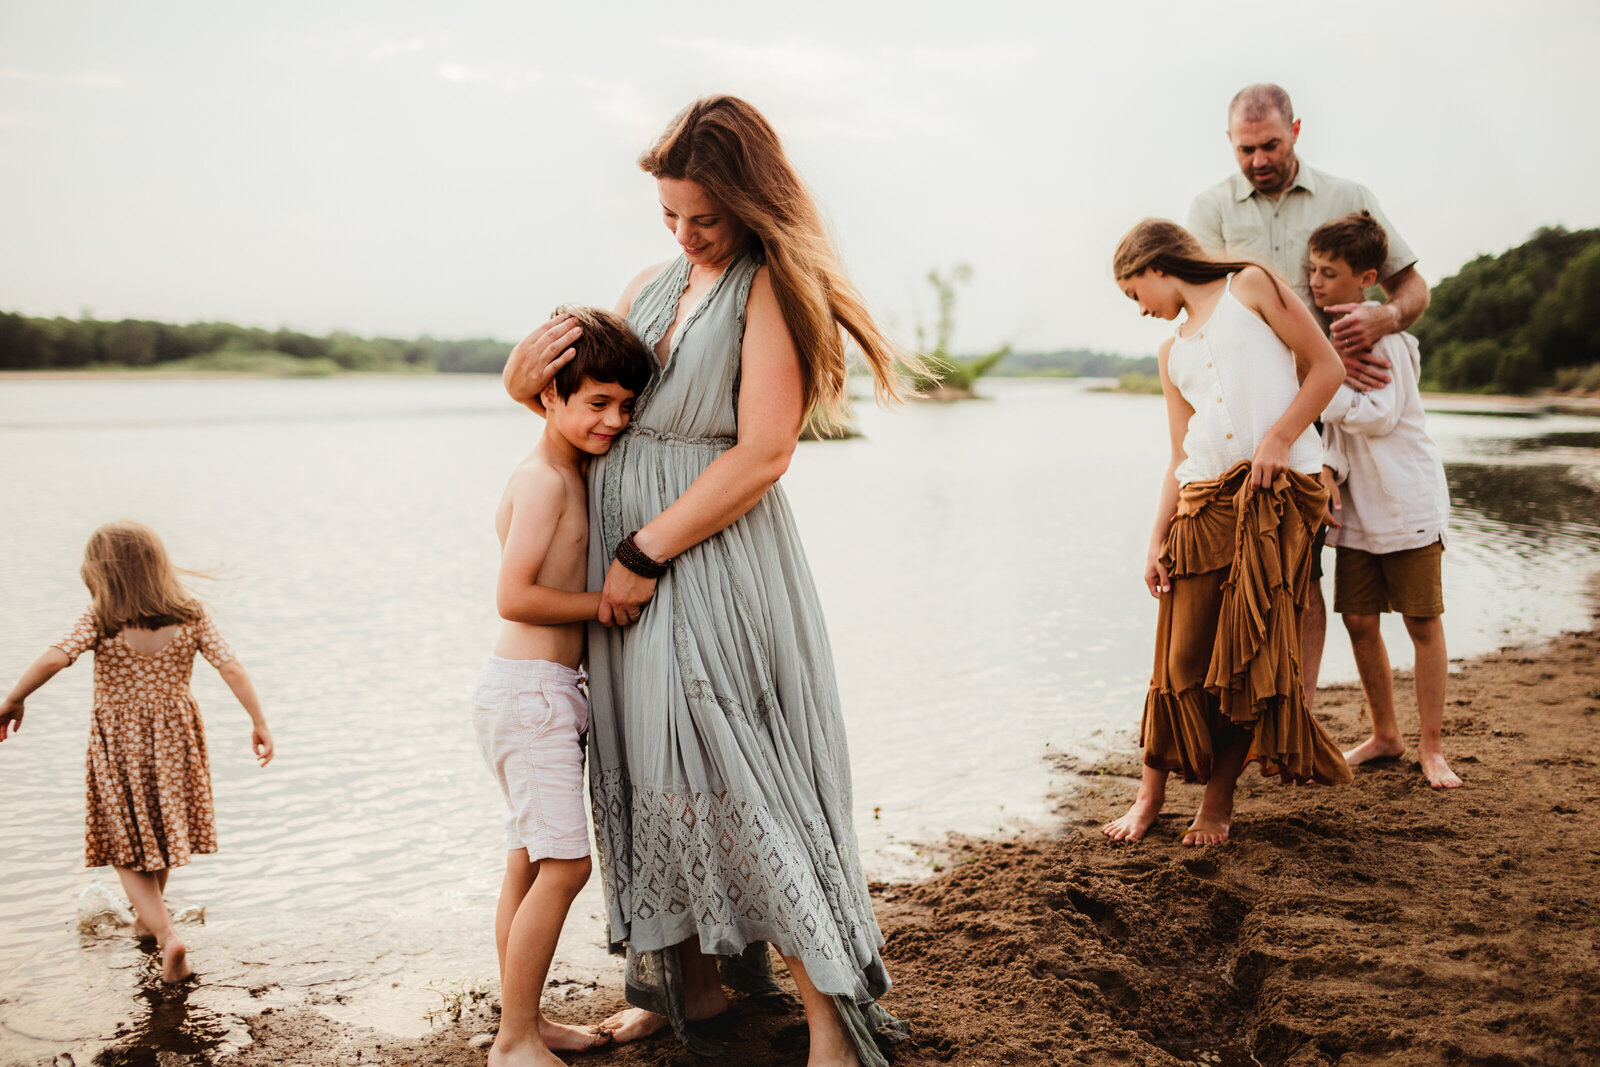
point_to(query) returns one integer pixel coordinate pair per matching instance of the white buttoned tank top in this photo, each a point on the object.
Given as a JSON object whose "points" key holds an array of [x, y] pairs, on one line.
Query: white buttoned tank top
{"points": [[1240, 379]]}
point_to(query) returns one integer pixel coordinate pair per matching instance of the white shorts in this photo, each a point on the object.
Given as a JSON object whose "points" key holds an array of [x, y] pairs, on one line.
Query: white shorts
{"points": [[530, 716]]}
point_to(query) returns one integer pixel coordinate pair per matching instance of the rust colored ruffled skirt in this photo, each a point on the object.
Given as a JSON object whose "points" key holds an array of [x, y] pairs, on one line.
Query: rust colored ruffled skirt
{"points": [[1228, 633]]}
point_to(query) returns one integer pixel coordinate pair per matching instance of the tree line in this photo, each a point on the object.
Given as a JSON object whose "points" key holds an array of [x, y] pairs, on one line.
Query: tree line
{"points": [[1525, 319], [65, 344]]}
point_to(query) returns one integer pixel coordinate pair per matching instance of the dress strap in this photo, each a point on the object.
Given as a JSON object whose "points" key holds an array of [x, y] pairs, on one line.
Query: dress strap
{"points": [[1228, 285]]}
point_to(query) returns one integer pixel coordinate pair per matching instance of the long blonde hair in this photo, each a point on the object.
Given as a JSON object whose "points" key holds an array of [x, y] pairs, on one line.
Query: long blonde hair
{"points": [[728, 148], [132, 581]]}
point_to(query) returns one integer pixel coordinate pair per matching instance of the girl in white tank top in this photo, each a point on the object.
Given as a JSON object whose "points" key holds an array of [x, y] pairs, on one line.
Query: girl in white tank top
{"points": [[1244, 374]]}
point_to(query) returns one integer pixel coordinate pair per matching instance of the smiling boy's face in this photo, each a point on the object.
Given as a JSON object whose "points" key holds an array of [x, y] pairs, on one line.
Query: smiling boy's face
{"points": [[592, 417], [1333, 281]]}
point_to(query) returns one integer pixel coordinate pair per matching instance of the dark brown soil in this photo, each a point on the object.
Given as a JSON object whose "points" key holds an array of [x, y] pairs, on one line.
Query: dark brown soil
{"points": [[1380, 922]]}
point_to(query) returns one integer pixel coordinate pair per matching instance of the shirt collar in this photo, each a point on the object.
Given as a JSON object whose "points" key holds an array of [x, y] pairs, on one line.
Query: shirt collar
{"points": [[1304, 178]]}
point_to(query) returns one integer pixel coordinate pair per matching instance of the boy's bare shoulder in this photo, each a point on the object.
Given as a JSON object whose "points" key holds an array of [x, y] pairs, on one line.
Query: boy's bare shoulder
{"points": [[536, 479]]}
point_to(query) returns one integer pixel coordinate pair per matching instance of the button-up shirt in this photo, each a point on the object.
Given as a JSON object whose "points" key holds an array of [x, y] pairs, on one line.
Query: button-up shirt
{"points": [[1235, 220]]}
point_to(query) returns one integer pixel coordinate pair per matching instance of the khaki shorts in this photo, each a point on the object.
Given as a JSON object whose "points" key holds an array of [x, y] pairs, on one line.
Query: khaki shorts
{"points": [[530, 716], [1365, 583]]}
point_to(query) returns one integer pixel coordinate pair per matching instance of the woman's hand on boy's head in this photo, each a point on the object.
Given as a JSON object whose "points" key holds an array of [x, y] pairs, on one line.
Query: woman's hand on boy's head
{"points": [[534, 361]]}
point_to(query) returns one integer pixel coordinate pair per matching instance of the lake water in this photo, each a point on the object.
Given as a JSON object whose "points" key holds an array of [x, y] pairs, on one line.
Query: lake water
{"points": [[981, 564]]}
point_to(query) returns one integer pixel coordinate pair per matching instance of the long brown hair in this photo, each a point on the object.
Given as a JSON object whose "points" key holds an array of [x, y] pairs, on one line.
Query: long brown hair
{"points": [[1163, 245], [728, 148], [132, 581]]}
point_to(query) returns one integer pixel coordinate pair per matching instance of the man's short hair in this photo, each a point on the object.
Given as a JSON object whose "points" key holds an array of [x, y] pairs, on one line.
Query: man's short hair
{"points": [[608, 352], [1356, 238], [1255, 103]]}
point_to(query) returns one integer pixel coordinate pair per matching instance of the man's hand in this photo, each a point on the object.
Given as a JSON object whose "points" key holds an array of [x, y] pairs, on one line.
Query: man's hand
{"points": [[1360, 326]]}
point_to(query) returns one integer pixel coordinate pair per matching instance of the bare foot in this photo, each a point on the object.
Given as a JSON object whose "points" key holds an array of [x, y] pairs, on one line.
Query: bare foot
{"points": [[1372, 750], [175, 961], [560, 1037], [1438, 772], [848, 1060], [528, 1054], [1138, 819], [1206, 831], [634, 1024]]}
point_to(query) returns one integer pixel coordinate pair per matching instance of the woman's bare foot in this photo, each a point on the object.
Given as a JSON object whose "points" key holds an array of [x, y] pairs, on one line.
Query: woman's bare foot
{"points": [[175, 961], [1138, 819], [634, 1024], [1372, 750], [559, 1037], [1438, 772]]}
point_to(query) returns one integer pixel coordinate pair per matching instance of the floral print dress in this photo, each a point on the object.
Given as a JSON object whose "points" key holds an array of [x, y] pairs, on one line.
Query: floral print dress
{"points": [[148, 778]]}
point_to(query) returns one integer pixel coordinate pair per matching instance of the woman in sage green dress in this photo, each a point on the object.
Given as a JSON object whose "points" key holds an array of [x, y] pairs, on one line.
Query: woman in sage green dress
{"points": [[719, 773]]}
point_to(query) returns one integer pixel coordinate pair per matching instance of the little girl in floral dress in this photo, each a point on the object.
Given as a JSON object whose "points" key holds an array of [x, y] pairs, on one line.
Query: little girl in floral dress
{"points": [[149, 782]]}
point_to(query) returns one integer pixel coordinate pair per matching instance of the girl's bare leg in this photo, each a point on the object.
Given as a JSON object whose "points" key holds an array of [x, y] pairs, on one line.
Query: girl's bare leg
{"points": [[526, 1036], [1377, 682], [1212, 821], [1146, 806], [144, 889], [830, 1045], [1433, 667], [703, 998], [139, 927]]}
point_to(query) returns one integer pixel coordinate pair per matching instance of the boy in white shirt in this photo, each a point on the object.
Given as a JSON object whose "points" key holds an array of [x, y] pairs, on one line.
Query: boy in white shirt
{"points": [[1390, 529]]}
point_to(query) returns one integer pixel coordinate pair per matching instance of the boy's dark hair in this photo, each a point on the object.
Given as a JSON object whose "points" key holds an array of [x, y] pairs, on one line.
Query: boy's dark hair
{"points": [[607, 352], [1356, 238]]}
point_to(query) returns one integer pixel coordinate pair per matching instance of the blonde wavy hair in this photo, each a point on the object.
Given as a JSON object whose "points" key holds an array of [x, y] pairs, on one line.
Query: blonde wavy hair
{"points": [[133, 582], [728, 148]]}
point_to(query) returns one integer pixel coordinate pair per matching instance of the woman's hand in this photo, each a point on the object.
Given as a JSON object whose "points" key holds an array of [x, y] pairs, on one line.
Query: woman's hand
{"points": [[624, 596], [10, 717], [533, 363], [1271, 459], [1155, 576], [261, 743]]}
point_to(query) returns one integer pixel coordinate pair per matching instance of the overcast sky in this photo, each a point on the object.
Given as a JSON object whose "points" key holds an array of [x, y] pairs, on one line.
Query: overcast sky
{"points": [[401, 168]]}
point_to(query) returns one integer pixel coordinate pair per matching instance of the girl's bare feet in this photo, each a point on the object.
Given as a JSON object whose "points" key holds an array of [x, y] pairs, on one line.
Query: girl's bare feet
{"points": [[1438, 772], [1205, 831], [1146, 806], [559, 1037], [175, 961], [1133, 825], [1372, 750]]}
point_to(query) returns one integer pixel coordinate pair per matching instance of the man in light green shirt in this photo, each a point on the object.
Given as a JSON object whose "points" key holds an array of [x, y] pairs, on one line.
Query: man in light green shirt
{"points": [[1267, 211]]}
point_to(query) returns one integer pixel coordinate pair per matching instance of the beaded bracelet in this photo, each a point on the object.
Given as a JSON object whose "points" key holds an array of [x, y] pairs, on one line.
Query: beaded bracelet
{"points": [[631, 556]]}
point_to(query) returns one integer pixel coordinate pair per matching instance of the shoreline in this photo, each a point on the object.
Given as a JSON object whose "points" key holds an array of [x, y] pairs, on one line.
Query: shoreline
{"points": [[1363, 924], [1543, 402]]}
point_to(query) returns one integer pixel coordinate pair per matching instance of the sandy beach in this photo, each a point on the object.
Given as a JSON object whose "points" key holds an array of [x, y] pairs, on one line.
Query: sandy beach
{"points": [[1376, 923]]}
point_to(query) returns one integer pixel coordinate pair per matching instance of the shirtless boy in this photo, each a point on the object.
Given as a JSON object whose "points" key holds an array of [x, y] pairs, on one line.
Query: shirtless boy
{"points": [[529, 709]]}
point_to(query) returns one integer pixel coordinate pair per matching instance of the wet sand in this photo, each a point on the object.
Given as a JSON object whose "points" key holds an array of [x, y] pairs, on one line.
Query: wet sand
{"points": [[1381, 922]]}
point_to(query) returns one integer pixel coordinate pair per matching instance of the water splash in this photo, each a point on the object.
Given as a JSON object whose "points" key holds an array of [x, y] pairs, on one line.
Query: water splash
{"points": [[103, 912]]}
